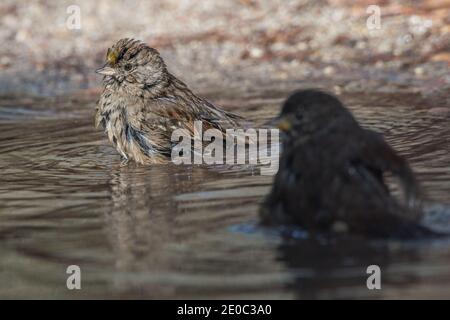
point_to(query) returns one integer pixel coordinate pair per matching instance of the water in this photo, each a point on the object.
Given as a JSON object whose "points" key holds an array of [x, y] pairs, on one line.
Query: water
{"points": [[170, 231]]}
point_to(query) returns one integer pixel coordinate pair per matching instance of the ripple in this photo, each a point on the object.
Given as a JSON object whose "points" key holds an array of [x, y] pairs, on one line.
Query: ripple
{"points": [[192, 231]]}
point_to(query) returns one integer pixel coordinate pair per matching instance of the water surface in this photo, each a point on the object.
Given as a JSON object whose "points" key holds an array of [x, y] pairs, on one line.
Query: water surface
{"points": [[170, 231]]}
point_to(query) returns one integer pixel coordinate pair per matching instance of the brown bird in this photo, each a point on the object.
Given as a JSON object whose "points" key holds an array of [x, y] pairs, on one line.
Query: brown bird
{"points": [[142, 103], [331, 175]]}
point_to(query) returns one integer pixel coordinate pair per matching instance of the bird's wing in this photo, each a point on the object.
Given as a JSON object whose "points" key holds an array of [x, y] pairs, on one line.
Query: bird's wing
{"points": [[365, 201], [187, 113], [186, 110], [379, 157], [165, 122]]}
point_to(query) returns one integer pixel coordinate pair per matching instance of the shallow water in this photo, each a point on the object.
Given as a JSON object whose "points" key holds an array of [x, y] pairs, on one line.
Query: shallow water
{"points": [[172, 231]]}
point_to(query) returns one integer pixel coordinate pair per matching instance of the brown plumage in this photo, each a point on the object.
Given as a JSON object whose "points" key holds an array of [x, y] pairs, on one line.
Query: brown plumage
{"points": [[142, 103], [331, 174]]}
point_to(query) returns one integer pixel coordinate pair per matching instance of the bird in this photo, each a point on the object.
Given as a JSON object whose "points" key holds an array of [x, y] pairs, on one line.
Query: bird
{"points": [[332, 172], [142, 103]]}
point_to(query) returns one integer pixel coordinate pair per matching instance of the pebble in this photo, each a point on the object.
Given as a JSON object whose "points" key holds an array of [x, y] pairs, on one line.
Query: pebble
{"points": [[329, 70]]}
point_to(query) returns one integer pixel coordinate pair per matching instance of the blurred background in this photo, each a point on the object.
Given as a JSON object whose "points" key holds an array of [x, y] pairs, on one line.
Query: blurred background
{"points": [[53, 47]]}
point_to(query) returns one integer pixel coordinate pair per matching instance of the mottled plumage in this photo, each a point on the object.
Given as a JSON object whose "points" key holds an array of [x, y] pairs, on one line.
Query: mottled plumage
{"points": [[331, 174], [142, 103]]}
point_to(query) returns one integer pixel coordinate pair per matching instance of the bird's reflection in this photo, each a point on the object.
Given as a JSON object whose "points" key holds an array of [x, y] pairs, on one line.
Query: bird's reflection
{"points": [[141, 223], [330, 268]]}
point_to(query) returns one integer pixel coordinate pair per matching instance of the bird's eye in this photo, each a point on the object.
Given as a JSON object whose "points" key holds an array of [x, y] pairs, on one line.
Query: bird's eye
{"points": [[299, 116], [127, 67]]}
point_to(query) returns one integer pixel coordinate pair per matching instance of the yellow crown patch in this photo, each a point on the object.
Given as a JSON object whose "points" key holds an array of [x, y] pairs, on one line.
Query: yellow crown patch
{"points": [[111, 56]]}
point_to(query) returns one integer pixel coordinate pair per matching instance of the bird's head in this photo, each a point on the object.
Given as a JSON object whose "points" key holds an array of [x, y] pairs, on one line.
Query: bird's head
{"points": [[308, 111], [133, 66]]}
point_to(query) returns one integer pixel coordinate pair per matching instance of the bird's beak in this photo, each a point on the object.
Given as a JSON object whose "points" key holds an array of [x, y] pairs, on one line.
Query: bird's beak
{"points": [[105, 70], [283, 123]]}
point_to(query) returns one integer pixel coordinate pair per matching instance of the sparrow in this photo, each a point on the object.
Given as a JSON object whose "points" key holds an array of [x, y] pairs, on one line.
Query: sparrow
{"points": [[332, 174], [142, 103]]}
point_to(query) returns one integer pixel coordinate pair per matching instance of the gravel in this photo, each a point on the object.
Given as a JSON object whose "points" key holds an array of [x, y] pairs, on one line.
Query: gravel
{"points": [[224, 44]]}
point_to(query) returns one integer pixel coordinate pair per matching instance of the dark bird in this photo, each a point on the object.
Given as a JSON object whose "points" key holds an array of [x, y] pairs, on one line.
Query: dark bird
{"points": [[331, 175], [142, 103]]}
